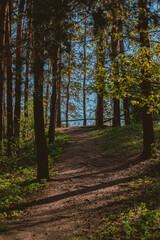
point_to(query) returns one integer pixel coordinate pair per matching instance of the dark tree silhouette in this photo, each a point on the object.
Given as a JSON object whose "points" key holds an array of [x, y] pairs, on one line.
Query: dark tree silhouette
{"points": [[146, 88], [114, 45], [41, 145]]}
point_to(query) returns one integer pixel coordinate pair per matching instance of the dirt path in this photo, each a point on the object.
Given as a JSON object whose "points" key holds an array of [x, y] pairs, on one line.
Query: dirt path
{"points": [[76, 202]]}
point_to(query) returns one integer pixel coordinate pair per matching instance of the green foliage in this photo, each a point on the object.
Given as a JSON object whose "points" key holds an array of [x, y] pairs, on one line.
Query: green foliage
{"points": [[139, 220], [147, 185], [125, 139], [21, 157], [15, 186], [18, 173], [138, 223], [54, 150], [135, 220]]}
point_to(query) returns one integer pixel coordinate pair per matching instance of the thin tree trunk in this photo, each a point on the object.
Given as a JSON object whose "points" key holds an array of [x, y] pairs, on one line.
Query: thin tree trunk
{"points": [[126, 111], [146, 88], [100, 109], [2, 70], [116, 102], [41, 145], [18, 82], [121, 43], [100, 81], [47, 91], [28, 56], [4, 108], [59, 90], [53, 107], [68, 85], [9, 80], [84, 79]]}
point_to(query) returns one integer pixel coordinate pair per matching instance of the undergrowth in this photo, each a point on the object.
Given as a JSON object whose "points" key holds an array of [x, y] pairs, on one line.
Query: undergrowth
{"points": [[138, 223], [18, 174], [138, 217]]}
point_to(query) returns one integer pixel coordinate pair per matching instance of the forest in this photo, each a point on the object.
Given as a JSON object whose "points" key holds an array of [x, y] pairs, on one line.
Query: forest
{"points": [[79, 119]]}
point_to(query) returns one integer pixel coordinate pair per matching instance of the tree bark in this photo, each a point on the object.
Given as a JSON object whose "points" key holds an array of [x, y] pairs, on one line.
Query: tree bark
{"points": [[28, 56], [18, 82], [100, 81], [68, 85], [41, 145], [59, 90], [3, 5], [53, 98], [121, 43], [4, 108], [146, 88], [84, 77], [126, 111], [114, 44], [100, 110], [47, 92], [9, 79]]}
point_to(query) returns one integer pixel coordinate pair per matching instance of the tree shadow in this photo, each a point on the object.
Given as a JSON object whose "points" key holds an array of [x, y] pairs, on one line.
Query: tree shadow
{"points": [[85, 189]]}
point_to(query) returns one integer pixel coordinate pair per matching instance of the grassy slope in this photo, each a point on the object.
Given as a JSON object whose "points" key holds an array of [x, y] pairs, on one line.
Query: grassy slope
{"points": [[124, 139], [138, 219]]}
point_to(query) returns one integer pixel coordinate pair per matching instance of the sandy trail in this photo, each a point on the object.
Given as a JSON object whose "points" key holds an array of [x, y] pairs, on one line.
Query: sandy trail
{"points": [[75, 203]]}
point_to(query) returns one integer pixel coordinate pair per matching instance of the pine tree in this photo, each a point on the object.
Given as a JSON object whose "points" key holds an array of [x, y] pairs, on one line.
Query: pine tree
{"points": [[41, 145], [146, 88]]}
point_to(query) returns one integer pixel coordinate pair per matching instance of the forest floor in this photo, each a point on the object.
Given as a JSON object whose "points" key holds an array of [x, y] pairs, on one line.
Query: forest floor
{"points": [[91, 182]]}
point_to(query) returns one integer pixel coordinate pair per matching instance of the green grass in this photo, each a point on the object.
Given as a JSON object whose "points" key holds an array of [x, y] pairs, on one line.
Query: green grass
{"points": [[138, 217], [139, 223], [124, 139], [18, 174], [54, 150]]}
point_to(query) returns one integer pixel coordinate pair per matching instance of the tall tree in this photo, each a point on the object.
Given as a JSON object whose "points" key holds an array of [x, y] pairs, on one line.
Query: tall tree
{"points": [[3, 6], [58, 7], [69, 82], [9, 78], [4, 108], [146, 88], [18, 82], [47, 91], [53, 105], [28, 58], [121, 44], [100, 80], [85, 65], [99, 26], [59, 88], [114, 46], [41, 145]]}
